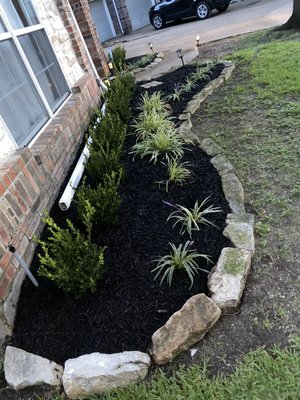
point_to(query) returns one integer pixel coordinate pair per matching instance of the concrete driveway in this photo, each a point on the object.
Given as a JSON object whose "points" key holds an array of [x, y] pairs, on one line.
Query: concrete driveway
{"points": [[242, 16]]}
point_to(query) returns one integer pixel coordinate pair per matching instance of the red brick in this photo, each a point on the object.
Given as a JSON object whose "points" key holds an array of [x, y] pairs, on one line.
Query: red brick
{"points": [[2, 189], [5, 260], [4, 287]]}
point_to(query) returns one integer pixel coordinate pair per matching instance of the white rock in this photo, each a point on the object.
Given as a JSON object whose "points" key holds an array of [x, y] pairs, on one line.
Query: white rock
{"points": [[227, 280], [241, 235], [24, 369], [97, 373]]}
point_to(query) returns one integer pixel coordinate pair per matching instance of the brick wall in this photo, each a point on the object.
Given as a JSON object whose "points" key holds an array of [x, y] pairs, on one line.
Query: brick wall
{"points": [[123, 15], [114, 18], [30, 179], [84, 19]]}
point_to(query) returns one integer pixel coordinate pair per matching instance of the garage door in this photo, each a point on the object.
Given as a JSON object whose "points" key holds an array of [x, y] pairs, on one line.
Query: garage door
{"points": [[100, 18], [138, 12]]}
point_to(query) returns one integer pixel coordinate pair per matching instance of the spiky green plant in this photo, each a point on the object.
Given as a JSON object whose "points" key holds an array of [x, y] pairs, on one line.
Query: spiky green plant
{"points": [[151, 122], [189, 85], [202, 72], [167, 142], [177, 93], [178, 173], [153, 103], [191, 218], [181, 257]]}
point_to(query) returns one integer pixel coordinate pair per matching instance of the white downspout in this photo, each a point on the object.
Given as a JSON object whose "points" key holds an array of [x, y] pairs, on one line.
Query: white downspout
{"points": [[98, 79], [68, 194]]}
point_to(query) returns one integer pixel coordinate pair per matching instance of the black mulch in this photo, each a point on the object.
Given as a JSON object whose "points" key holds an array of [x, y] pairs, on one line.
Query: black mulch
{"points": [[128, 305], [174, 79]]}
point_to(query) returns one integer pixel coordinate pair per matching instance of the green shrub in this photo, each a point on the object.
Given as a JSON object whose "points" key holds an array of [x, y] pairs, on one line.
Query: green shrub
{"points": [[69, 258], [118, 57], [104, 199], [119, 95], [108, 135], [103, 161], [109, 129]]}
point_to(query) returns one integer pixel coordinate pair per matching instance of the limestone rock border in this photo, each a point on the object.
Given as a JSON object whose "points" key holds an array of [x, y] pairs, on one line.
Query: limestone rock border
{"points": [[239, 227]]}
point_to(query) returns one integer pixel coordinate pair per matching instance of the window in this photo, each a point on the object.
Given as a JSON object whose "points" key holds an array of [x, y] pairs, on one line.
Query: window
{"points": [[32, 85]]}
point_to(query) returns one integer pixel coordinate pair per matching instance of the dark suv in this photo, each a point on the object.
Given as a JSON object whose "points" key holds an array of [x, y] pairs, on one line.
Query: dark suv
{"points": [[170, 10]]}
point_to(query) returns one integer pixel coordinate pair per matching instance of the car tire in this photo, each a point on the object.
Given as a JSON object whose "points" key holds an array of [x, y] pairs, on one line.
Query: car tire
{"points": [[203, 10], [157, 21], [223, 8]]}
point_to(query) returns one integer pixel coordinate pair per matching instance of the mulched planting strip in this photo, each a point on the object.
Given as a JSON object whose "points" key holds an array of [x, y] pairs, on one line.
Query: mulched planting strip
{"points": [[178, 76], [128, 306]]}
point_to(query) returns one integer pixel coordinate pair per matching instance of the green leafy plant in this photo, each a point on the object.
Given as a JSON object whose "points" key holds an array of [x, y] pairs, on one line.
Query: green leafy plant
{"points": [[104, 199], [69, 258], [202, 72], [153, 103], [189, 85], [181, 257], [107, 129], [118, 57], [177, 93], [104, 161], [142, 62], [151, 122], [178, 173], [119, 95], [191, 218], [166, 142]]}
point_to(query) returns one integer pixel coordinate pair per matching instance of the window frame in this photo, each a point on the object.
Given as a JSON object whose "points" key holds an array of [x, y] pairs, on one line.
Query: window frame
{"points": [[14, 34]]}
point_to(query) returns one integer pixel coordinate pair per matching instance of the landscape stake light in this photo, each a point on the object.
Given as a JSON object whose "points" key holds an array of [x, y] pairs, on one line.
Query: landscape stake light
{"points": [[180, 55], [111, 67], [151, 47], [198, 45]]}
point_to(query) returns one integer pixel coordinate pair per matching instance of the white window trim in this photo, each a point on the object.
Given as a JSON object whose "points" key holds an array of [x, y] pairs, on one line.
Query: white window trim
{"points": [[14, 34], [7, 131]]}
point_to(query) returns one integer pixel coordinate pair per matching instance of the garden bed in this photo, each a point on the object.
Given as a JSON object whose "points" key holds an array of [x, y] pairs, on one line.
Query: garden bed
{"points": [[128, 305]]}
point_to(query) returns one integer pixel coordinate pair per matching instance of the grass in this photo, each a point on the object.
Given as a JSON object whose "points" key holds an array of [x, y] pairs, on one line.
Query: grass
{"points": [[268, 375], [258, 121]]}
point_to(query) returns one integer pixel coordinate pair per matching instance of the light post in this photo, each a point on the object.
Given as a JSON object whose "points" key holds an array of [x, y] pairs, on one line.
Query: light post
{"points": [[180, 55]]}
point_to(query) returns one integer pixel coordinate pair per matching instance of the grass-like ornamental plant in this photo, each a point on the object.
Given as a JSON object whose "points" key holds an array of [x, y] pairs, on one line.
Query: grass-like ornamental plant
{"points": [[153, 103], [69, 257], [189, 85], [167, 142], [202, 72], [151, 122], [181, 257], [178, 173], [177, 93], [190, 219]]}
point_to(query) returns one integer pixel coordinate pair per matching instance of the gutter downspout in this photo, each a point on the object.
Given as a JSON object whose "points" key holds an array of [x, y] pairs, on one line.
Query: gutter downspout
{"points": [[100, 83], [68, 194]]}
